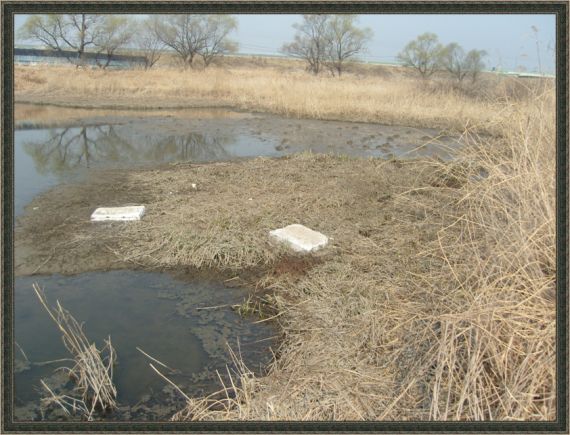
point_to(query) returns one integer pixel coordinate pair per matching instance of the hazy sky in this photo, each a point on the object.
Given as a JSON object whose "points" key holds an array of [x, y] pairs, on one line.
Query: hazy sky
{"points": [[508, 39]]}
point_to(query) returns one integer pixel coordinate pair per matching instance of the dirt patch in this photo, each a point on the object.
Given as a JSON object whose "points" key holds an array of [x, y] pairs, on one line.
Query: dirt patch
{"points": [[295, 266]]}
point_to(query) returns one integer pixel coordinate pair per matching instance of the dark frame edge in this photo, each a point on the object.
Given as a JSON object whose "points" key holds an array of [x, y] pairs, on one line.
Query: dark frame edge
{"points": [[559, 8], [6, 224], [562, 216]]}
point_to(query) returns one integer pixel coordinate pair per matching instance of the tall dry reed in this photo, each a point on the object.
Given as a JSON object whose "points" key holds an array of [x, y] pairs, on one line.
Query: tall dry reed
{"points": [[464, 329], [494, 357], [92, 372], [396, 99]]}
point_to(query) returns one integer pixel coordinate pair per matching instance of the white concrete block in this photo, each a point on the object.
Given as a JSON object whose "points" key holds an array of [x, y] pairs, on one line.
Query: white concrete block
{"points": [[300, 238], [132, 213]]}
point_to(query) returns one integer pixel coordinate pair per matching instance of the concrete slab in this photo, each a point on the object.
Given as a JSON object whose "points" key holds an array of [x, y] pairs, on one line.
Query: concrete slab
{"points": [[300, 238], [131, 213]]}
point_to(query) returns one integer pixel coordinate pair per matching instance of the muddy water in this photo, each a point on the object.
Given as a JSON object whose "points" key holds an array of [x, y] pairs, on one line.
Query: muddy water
{"points": [[161, 315]]}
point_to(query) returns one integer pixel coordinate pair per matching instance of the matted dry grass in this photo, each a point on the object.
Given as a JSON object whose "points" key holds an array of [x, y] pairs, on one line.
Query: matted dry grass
{"points": [[469, 337], [329, 353]]}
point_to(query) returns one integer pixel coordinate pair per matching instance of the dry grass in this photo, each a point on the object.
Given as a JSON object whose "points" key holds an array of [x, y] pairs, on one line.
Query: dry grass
{"points": [[395, 99], [495, 355], [92, 375], [471, 337], [435, 299]]}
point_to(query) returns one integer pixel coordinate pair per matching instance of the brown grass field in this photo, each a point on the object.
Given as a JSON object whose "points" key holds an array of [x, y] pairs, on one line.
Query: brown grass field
{"points": [[394, 98], [436, 300]]}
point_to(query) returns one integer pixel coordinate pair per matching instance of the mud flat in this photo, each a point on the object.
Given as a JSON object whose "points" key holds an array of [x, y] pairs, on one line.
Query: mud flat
{"points": [[225, 134]]}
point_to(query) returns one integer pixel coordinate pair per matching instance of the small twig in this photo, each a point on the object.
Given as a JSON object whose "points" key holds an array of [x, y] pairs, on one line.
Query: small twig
{"points": [[270, 318], [43, 363], [44, 263], [54, 397], [22, 350], [170, 382], [157, 361]]}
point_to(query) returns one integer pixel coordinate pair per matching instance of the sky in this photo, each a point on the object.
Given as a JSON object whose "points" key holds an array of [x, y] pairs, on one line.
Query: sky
{"points": [[508, 39]]}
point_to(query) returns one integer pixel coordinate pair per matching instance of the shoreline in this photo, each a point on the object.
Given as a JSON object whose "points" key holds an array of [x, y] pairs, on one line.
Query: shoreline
{"points": [[134, 106]]}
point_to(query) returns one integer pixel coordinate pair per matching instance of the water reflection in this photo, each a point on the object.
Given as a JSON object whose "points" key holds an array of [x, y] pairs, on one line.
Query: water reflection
{"points": [[69, 149], [193, 146]]}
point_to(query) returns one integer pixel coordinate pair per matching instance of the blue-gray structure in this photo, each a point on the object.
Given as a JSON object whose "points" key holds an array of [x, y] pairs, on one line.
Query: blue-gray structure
{"points": [[36, 55]]}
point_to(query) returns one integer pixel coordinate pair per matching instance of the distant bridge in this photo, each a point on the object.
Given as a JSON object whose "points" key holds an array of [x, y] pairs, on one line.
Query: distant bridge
{"points": [[38, 55]]}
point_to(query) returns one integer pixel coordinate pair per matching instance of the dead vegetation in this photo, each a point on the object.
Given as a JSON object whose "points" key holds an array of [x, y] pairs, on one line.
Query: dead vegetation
{"points": [[435, 300], [363, 96], [92, 372]]}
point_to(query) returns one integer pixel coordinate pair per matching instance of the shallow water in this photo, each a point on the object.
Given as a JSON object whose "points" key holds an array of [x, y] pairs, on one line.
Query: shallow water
{"points": [[154, 311], [45, 157]]}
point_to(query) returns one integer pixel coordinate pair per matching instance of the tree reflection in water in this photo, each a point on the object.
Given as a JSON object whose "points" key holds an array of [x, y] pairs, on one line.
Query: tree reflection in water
{"points": [[69, 149]]}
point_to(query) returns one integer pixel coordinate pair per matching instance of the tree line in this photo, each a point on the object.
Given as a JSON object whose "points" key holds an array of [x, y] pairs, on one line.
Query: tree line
{"points": [[324, 42], [188, 36]]}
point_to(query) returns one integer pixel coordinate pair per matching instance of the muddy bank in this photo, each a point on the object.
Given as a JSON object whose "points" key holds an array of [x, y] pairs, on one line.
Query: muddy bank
{"points": [[123, 103], [39, 114]]}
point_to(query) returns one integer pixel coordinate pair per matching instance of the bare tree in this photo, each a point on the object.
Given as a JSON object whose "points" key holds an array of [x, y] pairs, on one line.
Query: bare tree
{"points": [[183, 34], [115, 32], [460, 64], [453, 60], [64, 32], [216, 43], [344, 41], [423, 54], [309, 42], [147, 40], [474, 63]]}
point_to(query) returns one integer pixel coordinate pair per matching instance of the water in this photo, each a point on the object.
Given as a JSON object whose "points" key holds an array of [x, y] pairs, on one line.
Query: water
{"points": [[45, 157], [154, 311]]}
